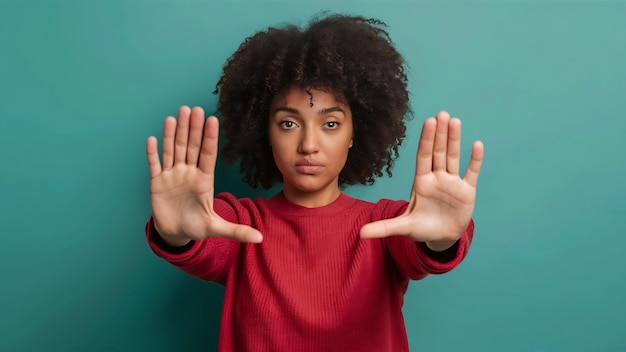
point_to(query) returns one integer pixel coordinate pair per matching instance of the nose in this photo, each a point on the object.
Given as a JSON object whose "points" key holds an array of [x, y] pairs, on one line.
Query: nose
{"points": [[309, 142]]}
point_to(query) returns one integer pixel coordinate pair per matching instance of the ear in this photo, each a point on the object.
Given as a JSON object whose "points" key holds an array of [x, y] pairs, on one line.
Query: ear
{"points": [[350, 146]]}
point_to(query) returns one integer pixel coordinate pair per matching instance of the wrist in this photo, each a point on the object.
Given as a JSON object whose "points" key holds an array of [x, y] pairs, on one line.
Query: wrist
{"points": [[172, 241], [440, 246]]}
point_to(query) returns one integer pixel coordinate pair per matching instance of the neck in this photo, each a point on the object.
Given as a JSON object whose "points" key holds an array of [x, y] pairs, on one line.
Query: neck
{"points": [[311, 199]]}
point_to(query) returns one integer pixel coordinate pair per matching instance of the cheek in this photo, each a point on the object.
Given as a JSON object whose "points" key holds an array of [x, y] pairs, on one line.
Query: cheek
{"points": [[339, 152], [340, 145]]}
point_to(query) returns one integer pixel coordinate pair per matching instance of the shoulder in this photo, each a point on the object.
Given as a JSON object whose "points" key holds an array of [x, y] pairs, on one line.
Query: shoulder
{"points": [[381, 209], [388, 208], [229, 199], [239, 210]]}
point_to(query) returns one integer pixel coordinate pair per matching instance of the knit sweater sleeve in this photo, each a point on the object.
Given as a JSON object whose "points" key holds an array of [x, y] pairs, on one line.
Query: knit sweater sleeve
{"points": [[413, 259], [209, 259]]}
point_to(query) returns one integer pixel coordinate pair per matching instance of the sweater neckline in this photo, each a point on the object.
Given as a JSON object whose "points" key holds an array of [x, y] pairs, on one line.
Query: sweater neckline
{"points": [[283, 205]]}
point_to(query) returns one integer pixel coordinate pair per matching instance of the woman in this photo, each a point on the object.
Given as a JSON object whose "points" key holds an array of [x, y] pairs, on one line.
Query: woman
{"points": [[310, 268]]}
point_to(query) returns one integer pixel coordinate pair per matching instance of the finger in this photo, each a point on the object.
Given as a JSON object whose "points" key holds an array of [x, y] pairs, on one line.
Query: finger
{"points": [[196, 124], [473, 168], [453, 157], [208, 151], [241, 233], [182, 135], [441, 142], [385, 228], [169, 132], [154, 164], [425, 150]]}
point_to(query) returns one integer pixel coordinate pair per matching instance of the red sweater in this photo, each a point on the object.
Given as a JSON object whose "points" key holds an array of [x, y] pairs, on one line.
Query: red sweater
{"points": [[313, 284]]}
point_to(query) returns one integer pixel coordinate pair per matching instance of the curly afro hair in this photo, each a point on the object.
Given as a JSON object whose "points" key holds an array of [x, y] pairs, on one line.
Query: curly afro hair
{"points": [[350, 57]]}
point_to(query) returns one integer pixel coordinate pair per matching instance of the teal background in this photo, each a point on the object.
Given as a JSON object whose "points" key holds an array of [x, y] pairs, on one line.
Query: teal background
{"points": [[541, 83]]}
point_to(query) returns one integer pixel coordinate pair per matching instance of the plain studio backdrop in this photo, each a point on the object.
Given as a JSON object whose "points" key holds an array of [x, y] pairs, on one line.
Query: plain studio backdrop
{"points": [[541, 83]]}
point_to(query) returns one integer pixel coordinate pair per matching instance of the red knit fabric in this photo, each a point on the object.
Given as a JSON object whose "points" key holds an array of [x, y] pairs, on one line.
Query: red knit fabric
{"points": [[312, 284]]}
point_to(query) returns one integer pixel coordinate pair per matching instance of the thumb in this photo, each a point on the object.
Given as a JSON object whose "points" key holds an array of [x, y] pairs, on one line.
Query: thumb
{"points": [[386, 228], [241, 233]]}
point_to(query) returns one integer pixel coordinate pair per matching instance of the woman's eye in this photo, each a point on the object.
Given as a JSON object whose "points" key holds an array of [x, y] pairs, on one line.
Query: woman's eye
{"points": [[332, 124], [287, 124]]}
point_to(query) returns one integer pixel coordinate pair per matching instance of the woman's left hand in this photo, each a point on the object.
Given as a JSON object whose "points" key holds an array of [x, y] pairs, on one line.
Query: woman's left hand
{"points": [[442, 202]]}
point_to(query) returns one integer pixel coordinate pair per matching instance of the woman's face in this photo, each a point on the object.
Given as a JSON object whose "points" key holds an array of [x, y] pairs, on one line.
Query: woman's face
{"points": [[310, 133]]}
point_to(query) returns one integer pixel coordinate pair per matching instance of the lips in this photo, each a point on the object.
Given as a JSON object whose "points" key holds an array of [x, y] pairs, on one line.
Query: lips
{"points": [[308, 167], [308, 163]]}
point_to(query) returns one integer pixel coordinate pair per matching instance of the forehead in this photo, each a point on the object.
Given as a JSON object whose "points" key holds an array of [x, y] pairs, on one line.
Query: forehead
{"points": [[310, 96]]}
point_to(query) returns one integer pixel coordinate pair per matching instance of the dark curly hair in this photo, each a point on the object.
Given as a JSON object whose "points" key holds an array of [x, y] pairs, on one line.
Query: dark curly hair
{"points": [[350, 57]]}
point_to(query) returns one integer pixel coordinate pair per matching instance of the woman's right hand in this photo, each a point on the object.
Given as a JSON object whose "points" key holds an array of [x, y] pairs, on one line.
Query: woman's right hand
{"points": [[182, 188]]}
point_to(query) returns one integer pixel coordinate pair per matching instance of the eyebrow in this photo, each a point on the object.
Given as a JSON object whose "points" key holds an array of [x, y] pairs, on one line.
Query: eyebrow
{"points": [[321, 112], [329, 110]]}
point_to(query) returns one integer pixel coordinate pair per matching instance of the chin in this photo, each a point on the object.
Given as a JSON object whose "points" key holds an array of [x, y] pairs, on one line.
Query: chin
{"points": [[312, 186], [307, 188]]}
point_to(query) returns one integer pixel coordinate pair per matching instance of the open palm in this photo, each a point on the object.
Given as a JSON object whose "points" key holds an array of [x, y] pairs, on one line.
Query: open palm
{"points": [[182, 188], [441, 203]]}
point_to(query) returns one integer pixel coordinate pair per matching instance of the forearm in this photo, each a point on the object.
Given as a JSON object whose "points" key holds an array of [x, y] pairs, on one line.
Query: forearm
{"points": [[208, 259]]}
